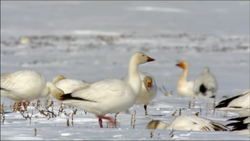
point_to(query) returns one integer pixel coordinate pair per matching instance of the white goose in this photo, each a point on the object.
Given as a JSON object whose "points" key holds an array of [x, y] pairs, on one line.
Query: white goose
{"points": [[25, 86], [239, 104], [68, 85], [205, 85], [242, 126], [148, 89], [189, 123], [109, 95], [185, 88]]}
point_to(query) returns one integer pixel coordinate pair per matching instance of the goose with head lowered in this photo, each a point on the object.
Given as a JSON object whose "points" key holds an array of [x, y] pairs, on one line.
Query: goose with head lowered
{"points": [[148, 89], [68, 85], [109, 95], [205, 85], [239, 104], [27, 85], [189, 123]]}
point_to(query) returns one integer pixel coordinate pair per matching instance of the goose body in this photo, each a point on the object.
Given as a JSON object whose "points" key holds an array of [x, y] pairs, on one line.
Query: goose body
{"points": [[189, 123], [184, 87], [239, 104], [26, 85], [69, 85], [148, 89], [109, 95], [205, 85]]}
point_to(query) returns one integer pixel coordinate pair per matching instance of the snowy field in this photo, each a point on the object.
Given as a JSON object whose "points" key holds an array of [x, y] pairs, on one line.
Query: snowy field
{"points": [[95, 40]]}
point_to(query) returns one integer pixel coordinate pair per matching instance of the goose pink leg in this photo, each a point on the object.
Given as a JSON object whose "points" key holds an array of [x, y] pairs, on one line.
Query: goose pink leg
{"points": [[107, 118]]}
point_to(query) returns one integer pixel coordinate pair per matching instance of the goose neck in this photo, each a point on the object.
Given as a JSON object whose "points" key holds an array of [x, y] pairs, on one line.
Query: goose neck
{"points": [[134, 77], [184, 74]]}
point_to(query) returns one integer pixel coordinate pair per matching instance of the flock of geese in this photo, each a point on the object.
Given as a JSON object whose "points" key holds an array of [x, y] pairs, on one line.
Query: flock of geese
{"points": [[118, 95]]}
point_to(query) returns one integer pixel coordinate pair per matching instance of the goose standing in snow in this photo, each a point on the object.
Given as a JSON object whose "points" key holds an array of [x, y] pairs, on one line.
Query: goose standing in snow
{"points": [[205, 84], [109, 95], [189, 123], [148, 89], [242, 126], [68, 85], [239, 104], [25, 86], [185, 88]]}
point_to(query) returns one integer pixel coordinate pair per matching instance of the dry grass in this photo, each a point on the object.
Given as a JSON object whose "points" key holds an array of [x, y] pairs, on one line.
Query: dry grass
{"points": [[165, 92], [151, 134], [174, 113], [194, 102], [200, 109], [134, 119], [72, 116], [179, 112], [214, 104], [172, 133], [14, 107], [3, 115], [27, 116], [67, 123], [35, 132], [47, 113]]}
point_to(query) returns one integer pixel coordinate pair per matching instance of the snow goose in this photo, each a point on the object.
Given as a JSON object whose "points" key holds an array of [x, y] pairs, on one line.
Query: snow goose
{"points": [[148, 89], [189, 123], [205, 84], [239, 104], [242, 126], [185, 88], [68, 85], [109, 95], [25, 86]]}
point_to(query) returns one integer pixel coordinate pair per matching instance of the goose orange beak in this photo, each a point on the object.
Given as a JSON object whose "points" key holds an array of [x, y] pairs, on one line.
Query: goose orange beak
{"points": [[150, 59], [181, 65]]}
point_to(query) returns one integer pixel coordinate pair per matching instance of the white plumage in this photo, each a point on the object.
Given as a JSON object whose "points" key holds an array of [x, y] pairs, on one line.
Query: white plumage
{"points": [[69, 85], [189, 123], [184, 87], [148, 89], [109, 95], [26, 85], [205, 85], [239, 104]]}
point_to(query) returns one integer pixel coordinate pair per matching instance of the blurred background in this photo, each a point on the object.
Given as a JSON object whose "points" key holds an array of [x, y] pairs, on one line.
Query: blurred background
{"points": [[95, 40]]}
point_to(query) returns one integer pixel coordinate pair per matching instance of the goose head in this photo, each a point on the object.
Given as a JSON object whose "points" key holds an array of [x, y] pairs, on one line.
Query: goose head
{"points": [[206, 69], [182, 64], [141, 58], [54, 91], [148, 82], [58, 78]]}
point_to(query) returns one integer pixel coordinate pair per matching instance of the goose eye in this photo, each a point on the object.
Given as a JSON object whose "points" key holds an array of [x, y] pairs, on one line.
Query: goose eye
{"points": [[143, 55]]}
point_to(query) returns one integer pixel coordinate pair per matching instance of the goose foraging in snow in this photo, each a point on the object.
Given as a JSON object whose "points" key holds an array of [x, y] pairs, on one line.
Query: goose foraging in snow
{"points": [[68, 85], [148, 89], [205, 84], [109, 95], [185, 88], [239, 104], [25, 86], [189, 123]]}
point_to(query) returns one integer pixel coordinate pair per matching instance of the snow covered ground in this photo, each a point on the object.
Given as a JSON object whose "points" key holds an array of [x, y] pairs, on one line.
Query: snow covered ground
{"points": [[81, 39]]}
